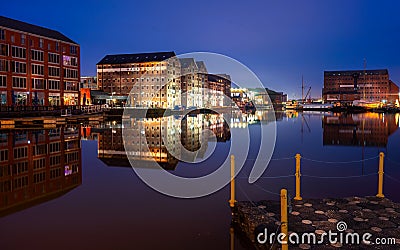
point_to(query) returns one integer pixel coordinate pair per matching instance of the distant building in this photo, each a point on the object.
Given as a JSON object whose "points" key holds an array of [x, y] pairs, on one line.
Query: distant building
{"points": [[362, 130], [276, 97], [154, 79], [259, 96], [369, 85], [38, 66], [191, 84], [219, 90], [89, 82]]}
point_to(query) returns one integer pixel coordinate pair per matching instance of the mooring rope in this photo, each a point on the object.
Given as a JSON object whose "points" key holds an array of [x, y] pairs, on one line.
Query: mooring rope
{"points": [[338, 177], [339, 162]]}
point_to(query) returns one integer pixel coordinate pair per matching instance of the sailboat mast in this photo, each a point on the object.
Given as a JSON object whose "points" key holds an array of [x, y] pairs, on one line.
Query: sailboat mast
{"points": [[302, 89], [365, 77]]}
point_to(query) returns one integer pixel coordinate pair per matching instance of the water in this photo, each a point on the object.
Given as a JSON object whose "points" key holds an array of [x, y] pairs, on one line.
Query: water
{"points": [[102, 204]]}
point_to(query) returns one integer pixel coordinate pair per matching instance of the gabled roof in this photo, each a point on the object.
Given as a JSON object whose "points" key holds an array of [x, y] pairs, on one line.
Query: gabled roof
{"points": [[202, 67], [136, 58], [187, 62], [33, 29]]}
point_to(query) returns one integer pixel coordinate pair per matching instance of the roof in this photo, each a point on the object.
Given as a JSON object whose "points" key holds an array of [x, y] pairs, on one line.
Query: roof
{"points": [[187, 62], [357, 72], [136, 58], [216, 77], [33, 29], [202, 67]]}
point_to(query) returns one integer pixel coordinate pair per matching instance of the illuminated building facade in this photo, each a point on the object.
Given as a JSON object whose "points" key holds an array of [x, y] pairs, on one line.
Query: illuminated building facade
{"points": [[369, 85], [89, 82], [38, 66], [366, 129], [192, 83], [38, 165], [219, 90], [151, 80]]}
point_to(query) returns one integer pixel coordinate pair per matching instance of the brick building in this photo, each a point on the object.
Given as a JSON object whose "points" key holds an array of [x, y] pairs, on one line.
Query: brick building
{"points": [[37, 166], [154, 78], [38, 66], [368, 85]]}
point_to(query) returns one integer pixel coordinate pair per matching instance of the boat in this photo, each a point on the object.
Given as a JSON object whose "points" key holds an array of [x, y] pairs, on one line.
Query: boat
{"points": [[367, 104], [291, 105], [317, 106]]}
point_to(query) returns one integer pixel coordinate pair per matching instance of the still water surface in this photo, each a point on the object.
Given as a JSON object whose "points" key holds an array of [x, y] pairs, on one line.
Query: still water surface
{"points": [[73, 188]]}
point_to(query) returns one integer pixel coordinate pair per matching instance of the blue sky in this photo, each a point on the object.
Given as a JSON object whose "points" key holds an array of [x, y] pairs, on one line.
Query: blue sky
{"points": [[279, 40]]}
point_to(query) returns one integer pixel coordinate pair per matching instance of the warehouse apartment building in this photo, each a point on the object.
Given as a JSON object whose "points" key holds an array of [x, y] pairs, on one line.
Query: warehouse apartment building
{"points": [[38, 66]]}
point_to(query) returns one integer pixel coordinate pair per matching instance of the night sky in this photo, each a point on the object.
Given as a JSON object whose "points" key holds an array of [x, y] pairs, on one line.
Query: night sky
{"points": [[279, 40]]}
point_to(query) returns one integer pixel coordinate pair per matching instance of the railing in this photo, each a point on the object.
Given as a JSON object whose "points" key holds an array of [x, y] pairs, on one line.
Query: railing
{"points": [[284, 199], [14, 111]]}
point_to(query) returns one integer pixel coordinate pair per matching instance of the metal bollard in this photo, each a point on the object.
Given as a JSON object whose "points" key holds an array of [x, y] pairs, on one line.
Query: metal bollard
{"points": [[298, 197], [380, 174], [232, 200], [284, 218]]}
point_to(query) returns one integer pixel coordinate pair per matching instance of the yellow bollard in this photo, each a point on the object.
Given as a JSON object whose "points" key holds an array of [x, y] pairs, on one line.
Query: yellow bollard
{"points": [[232, 234], [232, 200], [284, 219], [380, 172], [298, 197]]}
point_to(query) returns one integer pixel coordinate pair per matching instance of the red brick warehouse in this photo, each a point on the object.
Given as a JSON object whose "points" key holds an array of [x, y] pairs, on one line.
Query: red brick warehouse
{"points": [[38, 66]]}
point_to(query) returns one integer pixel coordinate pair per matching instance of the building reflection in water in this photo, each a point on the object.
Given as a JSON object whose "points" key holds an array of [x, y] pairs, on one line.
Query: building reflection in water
{"points": [[161, 139], [37, 166], [365, 129]]}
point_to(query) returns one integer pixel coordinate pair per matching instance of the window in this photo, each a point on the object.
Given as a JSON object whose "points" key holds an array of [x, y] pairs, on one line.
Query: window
{"points": [[3, 155], [18, 52], [53, 84], [21, 152], [48, 46], [39, 163], [41, 43], [73, 49], [54, 58], [3, 50], [38, 83], [70, 86], [20, 168], [55, 160], [19, 82], [18, 67], [70, 73], [39, 177], [37, 55], [54, 71], [3, 65], [23, 38], [2, 34], [54, 173], [57, 46], [70, 61], [12, 38], [3, 81], [37, 69], [54, 147], [40, 149]]}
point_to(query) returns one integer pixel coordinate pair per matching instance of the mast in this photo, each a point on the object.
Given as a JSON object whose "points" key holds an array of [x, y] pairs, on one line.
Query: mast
{"points": [[365, 77], [302, 89]]}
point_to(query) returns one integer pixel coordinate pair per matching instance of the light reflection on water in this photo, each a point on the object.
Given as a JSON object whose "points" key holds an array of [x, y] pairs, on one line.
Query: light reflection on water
{"points": [[109, 207]]}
